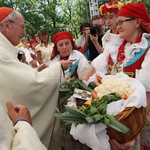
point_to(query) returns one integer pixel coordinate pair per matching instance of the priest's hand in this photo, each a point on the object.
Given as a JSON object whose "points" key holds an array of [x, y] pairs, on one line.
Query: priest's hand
{"points": [[65, 64], [41, 67], [18, 113]]}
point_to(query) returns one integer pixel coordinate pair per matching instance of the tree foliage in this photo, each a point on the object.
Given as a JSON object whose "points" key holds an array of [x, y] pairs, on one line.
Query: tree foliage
{"points": [[54, 15]]}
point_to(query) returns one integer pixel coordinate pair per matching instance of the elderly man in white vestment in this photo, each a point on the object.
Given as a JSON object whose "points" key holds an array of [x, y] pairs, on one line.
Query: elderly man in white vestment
{"points": [[24, 85]]}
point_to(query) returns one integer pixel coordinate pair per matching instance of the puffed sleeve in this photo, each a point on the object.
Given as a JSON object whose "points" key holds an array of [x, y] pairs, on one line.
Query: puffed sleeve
{"points": [[143, 74], [26, 138]]}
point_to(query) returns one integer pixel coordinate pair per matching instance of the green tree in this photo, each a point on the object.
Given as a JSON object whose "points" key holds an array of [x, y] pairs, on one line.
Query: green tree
{"points": [[54, 15]]}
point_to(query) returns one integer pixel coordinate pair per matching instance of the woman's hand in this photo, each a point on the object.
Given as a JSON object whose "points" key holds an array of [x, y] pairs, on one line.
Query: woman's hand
{"points": [[117, 146]]}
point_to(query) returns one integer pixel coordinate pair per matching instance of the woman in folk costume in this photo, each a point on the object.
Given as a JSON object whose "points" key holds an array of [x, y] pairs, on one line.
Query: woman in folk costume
{"points": [[65, 49], [132, 56], [133, 24], [111, 40], [109, 12]]}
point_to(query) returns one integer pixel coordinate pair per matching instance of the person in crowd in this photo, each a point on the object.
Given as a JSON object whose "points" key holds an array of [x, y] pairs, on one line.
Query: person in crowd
{"points": [[132, 56], [44, 48], [32, 50], [110, 40], [33, 54], [66, 49], [16, 129], [37, 38], [21, 55], [109, 12], [94, 43], [25, 48], [26, 86], [85, 30]]}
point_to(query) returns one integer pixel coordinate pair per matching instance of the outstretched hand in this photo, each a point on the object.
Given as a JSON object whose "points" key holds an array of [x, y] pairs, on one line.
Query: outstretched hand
{"points": [[66, 64], [18, 112], [41, 67]]}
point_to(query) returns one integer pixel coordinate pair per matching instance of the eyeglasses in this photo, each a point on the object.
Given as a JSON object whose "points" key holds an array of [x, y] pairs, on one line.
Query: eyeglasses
{"points": [[122, 21], [21, 26]]}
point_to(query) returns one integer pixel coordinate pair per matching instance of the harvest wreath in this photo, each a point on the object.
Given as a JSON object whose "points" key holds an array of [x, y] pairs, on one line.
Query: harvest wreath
{"points": [[112, 103]]}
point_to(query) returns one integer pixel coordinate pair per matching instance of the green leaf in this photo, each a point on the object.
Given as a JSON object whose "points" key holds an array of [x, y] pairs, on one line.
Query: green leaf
{"points": [[97, 117], [70, 118], [107, 121], [66, 97], [84, 86], [64, 89], [89, 119], [75, 112], [93, 110], [118, 126]]}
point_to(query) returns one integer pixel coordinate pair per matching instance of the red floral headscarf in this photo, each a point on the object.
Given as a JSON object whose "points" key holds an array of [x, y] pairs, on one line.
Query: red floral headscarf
{"points": [[4, 12], [136, 10], [60, 36]]}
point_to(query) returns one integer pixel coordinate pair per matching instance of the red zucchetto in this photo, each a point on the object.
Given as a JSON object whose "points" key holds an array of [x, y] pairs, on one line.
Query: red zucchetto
{"points": [[4, 12]]}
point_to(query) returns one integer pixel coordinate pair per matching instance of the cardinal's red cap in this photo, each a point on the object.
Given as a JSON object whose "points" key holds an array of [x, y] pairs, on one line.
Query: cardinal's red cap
{"points": [[4, 12]]}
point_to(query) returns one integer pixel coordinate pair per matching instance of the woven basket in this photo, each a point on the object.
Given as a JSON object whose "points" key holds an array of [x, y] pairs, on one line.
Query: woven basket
{"points": [[133, 118]]}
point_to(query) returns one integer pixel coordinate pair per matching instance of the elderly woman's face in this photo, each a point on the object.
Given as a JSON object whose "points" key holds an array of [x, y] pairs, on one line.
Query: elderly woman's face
{"points": [[127, 27], [64, 47]]}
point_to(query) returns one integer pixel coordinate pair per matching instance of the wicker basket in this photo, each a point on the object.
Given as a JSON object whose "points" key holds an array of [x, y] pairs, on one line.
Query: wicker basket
{"points": [[133, 118]]}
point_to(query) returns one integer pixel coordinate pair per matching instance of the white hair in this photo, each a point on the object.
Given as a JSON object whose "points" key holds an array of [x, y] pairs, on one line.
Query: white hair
{"points": [[12, 16]]}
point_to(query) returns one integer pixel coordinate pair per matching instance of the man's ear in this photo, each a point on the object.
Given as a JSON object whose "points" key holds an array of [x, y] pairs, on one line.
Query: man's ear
{"points": [[7, 25]]}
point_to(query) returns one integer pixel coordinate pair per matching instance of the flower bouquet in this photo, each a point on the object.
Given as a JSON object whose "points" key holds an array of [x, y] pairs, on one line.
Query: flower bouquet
{"points": [[117, 101]]}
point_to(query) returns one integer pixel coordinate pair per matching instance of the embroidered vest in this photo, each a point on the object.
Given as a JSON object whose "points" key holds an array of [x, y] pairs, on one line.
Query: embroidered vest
{"points": [[130, 67]]}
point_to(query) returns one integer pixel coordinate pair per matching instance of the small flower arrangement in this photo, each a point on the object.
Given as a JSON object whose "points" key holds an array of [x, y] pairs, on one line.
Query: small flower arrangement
{"points": [[110, 7]]}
